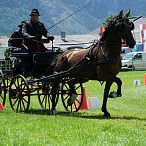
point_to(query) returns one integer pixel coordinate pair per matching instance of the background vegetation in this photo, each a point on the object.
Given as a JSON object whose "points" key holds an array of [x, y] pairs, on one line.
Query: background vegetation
{"points": [[127, 127], [52, 11]]}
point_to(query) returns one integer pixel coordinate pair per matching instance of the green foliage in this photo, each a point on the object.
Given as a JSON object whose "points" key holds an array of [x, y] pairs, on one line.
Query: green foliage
{"points": [[85, 21], [127, 127], [107, 20]]}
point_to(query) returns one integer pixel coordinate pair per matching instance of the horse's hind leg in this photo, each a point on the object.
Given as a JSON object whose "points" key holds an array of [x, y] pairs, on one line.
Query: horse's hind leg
{"points": [[54, 91], [74, 81], [73, 93], [105, 97]]}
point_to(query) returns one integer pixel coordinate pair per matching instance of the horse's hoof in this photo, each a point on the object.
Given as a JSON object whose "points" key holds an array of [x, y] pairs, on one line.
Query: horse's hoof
{"points": [[106, 115], [114, 95], [119, 95], [54, 112]]}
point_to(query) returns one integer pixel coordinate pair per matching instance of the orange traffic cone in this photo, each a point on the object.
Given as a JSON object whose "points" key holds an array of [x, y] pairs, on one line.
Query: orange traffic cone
{"points": [[89, 104], [144, 79], [84, 104], [1, 107]]}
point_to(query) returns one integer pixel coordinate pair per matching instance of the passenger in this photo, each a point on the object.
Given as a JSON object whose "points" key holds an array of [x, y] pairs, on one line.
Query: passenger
{"points": [[16, 39], [33, 31]]}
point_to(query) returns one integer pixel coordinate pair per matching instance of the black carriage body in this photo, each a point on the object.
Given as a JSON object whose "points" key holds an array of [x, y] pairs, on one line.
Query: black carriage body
{"points": [[36, 65]]}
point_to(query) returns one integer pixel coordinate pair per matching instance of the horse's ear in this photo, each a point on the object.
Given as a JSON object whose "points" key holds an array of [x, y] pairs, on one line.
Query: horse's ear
{"points": [[121, 14], [128, 13]]}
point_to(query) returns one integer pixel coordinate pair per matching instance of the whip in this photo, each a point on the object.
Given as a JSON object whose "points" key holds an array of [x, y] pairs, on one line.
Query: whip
{"points": [[69, 15]]}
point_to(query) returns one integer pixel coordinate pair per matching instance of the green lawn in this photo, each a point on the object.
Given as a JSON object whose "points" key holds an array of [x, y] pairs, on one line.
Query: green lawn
{"points": [[127, 127]]}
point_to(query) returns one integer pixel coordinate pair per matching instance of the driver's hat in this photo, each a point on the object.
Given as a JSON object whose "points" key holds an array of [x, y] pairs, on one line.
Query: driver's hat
{"points": [[35, 12]]}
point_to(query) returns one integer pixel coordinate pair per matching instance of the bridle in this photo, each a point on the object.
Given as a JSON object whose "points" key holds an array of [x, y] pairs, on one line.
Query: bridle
{"points": [[121, 25], [98, 43]]}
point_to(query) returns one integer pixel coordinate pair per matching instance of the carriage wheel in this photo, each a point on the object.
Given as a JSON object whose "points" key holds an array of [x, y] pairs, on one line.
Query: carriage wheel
{"points": [[19, 94], [45, 96], [67, 95], [3, 90]]}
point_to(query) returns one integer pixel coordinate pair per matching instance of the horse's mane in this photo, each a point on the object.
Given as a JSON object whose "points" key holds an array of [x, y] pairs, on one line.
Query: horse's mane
{"points": [[108, 23]]}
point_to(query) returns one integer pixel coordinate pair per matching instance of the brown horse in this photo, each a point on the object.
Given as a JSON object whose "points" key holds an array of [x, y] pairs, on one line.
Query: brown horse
{"points": [[101, 61]]}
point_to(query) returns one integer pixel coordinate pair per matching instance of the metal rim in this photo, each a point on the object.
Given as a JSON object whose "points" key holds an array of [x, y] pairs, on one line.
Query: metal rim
{"points": [[3, 90], [66, 95], [19, 94]]}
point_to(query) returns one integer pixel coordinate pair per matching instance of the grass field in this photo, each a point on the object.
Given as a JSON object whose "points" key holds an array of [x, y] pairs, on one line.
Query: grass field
{"points": [[127, 127]]}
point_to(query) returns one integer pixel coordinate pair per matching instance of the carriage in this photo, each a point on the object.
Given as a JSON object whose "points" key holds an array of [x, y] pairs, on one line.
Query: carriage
{"points": [[24, 75], [61, 74]]}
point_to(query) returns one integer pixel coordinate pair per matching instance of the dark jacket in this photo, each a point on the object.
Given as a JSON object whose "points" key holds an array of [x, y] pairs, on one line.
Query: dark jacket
{"points": [[36, 29], [15, 39]]}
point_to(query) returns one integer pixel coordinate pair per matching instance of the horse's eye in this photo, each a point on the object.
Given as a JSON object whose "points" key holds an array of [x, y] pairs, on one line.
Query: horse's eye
{"points": [[121, 25]]}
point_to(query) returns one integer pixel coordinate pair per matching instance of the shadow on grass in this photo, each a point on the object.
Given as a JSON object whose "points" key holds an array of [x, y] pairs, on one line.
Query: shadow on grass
{"points": [[63, 113], [80, 115]]}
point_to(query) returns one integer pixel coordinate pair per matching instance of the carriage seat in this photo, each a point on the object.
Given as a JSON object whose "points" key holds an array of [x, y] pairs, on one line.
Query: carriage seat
{"points": [[22, 51]]}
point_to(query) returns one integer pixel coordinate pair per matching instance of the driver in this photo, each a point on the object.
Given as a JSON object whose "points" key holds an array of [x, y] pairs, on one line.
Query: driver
{"points": [[33, 31]]}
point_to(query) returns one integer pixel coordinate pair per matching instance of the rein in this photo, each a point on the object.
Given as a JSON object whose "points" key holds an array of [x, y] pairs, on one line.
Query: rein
{"points": [[42, 40]]}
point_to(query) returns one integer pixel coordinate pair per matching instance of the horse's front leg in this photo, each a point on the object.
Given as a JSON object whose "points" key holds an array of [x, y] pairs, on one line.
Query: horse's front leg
{"points": [[118, 93], [119, 84], [105, 97]]}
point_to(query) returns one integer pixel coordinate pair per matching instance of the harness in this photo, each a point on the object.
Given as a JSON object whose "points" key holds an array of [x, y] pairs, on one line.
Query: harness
{"points": [[93, 59]]}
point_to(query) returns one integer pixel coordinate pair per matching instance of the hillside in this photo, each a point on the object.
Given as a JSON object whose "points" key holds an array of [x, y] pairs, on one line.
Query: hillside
{"points": [[53, 11]]}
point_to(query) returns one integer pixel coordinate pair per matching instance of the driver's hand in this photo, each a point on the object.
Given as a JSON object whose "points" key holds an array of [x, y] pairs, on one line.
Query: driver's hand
{"points": [[32, 38], [51, 38]]}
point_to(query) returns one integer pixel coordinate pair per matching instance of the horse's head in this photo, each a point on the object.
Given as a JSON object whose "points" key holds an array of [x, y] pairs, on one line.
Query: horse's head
{"points": [[124, 26], [120, 27]]}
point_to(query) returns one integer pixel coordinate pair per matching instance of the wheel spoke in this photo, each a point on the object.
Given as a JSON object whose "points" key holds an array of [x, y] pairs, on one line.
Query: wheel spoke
{"points": [[15, 102], [25, 100], [15, 85], [23, 104], [1, 96], [45, 96], [18, 105], [78, 101], [19, 94], [17, 81], [66, 86], [71, 108], [49, 102], [75, 106], [77, 87], [66, 98], [45, 102]]}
